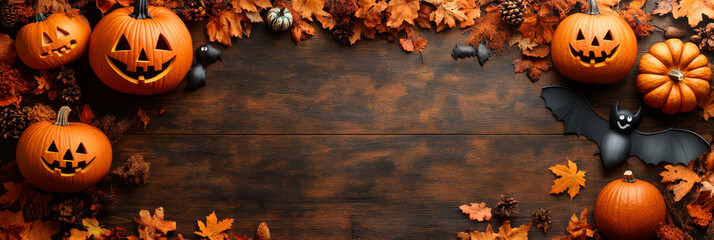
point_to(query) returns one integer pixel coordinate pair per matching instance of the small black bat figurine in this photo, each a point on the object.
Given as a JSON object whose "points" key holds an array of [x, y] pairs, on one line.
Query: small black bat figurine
{"points": [[617, 138]]}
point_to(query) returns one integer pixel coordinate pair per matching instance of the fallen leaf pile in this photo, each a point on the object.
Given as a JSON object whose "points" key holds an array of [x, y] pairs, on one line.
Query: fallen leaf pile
{"points": [[505, 232], [570, 178]]}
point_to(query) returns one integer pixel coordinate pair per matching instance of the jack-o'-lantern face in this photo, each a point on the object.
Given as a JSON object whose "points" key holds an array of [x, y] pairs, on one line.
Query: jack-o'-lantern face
{"points": [[594, 50], [139, 68], [67, 162], [141, 50], [53, 41]]}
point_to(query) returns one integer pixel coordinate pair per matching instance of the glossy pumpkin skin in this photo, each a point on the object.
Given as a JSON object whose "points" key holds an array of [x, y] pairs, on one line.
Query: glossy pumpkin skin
{"points": [[145, 50], [53, 41], [68, 158], [609, 38], [280, 19], [629, 210], [674, 76]]}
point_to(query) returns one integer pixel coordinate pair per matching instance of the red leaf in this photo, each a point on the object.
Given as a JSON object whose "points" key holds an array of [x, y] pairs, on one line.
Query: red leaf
{"points": [[85, 113]]}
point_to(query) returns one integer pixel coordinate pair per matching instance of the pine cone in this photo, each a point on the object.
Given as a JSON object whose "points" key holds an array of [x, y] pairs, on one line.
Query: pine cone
{"points": [[8, 14], [66, 85], [194, 11], [69, 211], [103, 201], [507, 207], [65, 77], [343, 32], [542, 219], [704, 36], [512, 12], [12, 122], [71, 94], [33, 211]]}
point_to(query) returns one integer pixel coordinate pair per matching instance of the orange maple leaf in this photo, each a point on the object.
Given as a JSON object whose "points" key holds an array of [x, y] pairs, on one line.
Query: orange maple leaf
{"points": [[371, 12], [14, 227], [682, 178], [538, 27], [148, 225], [448, 12], [477, 211], [413, 44], [226, 25], [213, 229], [310, 8], [250, 5], [570, 179], [580, 228], [402, 11], [505, 232], [693, 10]]}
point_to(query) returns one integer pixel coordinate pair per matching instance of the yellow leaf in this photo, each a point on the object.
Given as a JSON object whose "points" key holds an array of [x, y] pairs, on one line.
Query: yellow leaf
{"points": [[213, 229], [570, 179], [92, 226], [402, 11]]}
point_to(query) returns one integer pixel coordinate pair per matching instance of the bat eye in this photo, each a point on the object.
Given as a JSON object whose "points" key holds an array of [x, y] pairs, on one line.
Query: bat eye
{"points": [[629, 119], [622, 117]]}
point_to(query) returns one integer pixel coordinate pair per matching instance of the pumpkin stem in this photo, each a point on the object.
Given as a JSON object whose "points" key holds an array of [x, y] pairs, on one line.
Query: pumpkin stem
{"points": [[676, 75], [141, 10], [63, 116], [629, 177], [593, 8], [39, 17], [282, 12]]}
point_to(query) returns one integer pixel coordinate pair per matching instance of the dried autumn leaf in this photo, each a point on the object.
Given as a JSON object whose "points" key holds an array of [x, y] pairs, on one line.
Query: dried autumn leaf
{"points": [[477, 211], [707, 106], [505, 232], [44, 82], [228, 24], [637, 4], [213, 228], [424, 20], [14, 227], [12, 193], [46, 6], [143, 117], [490, 29], [310, 8], [301, 30], [693, 10], [250, 5], [535, 67], [42, 230], [148, 225], [682, 178], [539, 28], [402, 11], [93, 230], [413, 44], [570, 179], [7, 49], [449, 12], [638, 21], [371, 12], [86, 115], [539, 51], [522, 43], [22, 193], [580, 228], [107, 5], [664, 7], [76, 234]]}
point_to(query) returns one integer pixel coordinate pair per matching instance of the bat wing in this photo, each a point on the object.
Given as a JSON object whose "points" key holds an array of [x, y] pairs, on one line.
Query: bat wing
{"points": [[672, 146], [575, 111]]}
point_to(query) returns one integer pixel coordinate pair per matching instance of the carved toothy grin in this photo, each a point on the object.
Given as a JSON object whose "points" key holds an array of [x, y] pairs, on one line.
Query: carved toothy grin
{"points": [[591, 58], [140, 75], [621, 126], [67, 169], [60, 51]]}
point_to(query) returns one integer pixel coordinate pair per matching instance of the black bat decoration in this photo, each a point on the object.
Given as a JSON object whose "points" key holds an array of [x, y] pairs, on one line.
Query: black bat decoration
{"points": [[617, 139], [196, 77], [207, 54], [481, 52]]}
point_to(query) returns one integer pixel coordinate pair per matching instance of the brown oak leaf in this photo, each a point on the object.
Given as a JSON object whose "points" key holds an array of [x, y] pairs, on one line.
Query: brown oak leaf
{"points": [[477, 211], [213, 229], [7, 49], [680, 178], [402, 11], [569, 178], [535, 67], [152, 227]]}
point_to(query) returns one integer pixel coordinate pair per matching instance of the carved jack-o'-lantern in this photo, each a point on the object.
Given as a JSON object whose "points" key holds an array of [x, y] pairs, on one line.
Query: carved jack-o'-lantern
{"points": [[53, 41], [141, 50], [594, 47], [62, 156]]}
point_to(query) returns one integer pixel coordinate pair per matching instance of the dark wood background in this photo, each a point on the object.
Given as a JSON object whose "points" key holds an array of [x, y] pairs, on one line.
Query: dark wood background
{"points": [[325, 141]]}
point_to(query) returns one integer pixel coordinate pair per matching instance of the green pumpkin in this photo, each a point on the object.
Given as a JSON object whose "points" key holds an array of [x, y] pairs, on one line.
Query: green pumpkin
{"points": [[280, 19]]}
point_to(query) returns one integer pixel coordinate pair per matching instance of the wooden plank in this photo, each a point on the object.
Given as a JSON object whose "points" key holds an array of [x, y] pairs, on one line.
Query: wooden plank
{"points": [[267, 85], [343, 187]]}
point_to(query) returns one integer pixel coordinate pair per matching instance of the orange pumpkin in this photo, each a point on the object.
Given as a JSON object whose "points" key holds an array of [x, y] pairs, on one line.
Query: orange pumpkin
{"points": [[674, 76], [629, 209], [141, 50], [594, 47], [63, 156], [53, 41]]}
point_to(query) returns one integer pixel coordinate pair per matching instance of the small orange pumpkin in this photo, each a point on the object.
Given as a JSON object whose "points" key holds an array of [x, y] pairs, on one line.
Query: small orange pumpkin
{"points": [[53, 41], [594, 47], [674, 76], [629, 209], [141, 50], [63, 156]]}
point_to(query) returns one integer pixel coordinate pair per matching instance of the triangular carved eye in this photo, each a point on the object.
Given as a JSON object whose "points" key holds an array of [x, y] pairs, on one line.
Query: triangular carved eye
{"points": [[608, 35], [580, 35], [52, 148], [81, 149], [122, 45], [162, 44], [61, 33], [46, 39]]}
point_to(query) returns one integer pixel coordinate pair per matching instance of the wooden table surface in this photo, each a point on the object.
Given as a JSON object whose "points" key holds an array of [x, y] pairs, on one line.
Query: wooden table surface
{"points": [[325, 141]]}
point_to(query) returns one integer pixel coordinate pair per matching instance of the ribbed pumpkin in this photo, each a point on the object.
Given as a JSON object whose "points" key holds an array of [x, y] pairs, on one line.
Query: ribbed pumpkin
{"points": [[53, 41], [674, 76], [629, 209], [280, 19], [63, 156], [141, 50], [594, 47]]}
